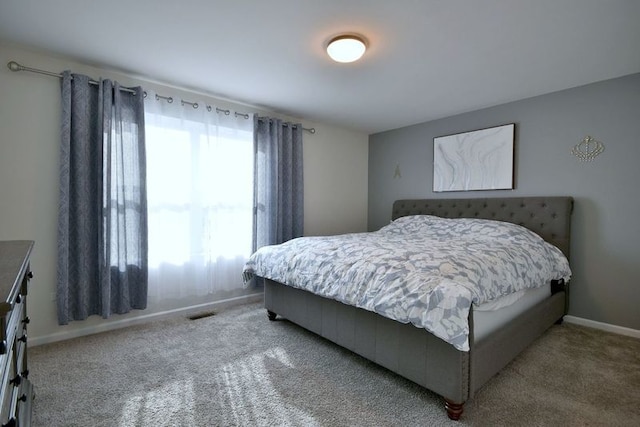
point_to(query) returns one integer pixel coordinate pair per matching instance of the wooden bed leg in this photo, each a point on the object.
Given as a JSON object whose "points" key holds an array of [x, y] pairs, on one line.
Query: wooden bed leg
{"points": [[272, 316], [454, 410]]}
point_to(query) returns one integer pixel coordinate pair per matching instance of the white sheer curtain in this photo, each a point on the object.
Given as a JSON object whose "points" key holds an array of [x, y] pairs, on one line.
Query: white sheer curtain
{"points": [[200, 198]]}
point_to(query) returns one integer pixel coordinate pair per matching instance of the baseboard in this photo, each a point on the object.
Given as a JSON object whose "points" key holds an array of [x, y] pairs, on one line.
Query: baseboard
{"points": [[621, 330], [110, 326]]}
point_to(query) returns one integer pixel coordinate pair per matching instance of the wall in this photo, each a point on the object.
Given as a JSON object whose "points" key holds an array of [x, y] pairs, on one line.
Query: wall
{"points": [[335, 162], [605, 251]]}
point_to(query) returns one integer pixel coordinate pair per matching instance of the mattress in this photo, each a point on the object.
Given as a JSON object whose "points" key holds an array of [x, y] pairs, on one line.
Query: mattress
{"points": [[491, 316]]}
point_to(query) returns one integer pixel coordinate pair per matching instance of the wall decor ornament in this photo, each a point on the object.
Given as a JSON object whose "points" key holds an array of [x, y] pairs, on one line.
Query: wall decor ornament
{"points": [[587, 149], [476, 160]]}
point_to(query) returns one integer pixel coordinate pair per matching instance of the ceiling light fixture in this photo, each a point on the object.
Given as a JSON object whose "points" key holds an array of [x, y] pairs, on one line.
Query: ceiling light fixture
{"points": [[346, 48]]}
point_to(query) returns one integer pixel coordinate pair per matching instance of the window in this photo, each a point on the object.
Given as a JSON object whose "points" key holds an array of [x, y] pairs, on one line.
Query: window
{"points": [[200, 198]]}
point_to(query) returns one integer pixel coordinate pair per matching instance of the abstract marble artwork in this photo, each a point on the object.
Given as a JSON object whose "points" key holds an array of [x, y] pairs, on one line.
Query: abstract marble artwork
{"points": [[477, 160]]}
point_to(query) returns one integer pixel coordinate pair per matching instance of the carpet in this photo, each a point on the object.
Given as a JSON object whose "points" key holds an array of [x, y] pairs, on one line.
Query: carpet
{"points": [[239, 369]]}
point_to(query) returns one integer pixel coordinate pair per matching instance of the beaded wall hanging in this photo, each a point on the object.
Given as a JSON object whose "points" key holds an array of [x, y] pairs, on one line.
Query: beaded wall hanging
{"points": [[588, 149]]}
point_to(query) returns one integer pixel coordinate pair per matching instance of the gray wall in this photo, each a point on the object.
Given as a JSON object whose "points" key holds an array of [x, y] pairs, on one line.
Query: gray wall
{"points": [[605, 254]]}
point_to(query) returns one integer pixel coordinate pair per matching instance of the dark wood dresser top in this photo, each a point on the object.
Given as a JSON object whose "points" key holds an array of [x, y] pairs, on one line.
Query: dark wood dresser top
{"points": [[14, 257]]}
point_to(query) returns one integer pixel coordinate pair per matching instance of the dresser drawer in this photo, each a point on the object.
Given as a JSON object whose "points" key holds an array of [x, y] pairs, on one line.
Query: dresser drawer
{"points": [[16, 391], [6, 393]]}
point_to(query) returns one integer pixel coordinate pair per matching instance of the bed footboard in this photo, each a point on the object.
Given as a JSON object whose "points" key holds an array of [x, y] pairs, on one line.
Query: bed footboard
{"points": [[412, 352], [492, 354], [409, 351]]}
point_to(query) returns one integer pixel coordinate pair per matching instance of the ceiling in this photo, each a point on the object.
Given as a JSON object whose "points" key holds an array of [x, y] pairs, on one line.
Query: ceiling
{"points": [[427, 59]]}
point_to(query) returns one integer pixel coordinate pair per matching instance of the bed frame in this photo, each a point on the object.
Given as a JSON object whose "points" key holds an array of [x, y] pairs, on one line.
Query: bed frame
{"points": [[416, 354]]}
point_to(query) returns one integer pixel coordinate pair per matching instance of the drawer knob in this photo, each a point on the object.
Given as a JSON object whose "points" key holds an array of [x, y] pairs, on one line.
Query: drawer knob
{"points": [[16, 381], [26, 320], [23, 398], [25, 373], [23, 338], [30, 275]]}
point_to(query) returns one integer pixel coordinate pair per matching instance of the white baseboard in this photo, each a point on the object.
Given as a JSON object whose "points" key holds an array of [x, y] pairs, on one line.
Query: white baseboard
{"points": [[621, 330], [110, 326]]}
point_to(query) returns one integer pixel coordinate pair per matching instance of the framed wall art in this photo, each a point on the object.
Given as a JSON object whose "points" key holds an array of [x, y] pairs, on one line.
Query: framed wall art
{"points": [[476, 160]]}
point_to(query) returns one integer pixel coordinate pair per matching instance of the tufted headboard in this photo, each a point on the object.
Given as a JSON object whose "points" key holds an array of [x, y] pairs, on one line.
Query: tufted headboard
{"points": [[549, 217]]}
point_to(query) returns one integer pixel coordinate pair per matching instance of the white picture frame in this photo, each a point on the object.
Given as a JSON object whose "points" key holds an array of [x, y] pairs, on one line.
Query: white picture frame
{"points": [[476, 160]]}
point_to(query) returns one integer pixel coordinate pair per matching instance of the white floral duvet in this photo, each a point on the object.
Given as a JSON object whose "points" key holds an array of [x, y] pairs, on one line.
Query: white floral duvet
{"points": [[420, 269]]}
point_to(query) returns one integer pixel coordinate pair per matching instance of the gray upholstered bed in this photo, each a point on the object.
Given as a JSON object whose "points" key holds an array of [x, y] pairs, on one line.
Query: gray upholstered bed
{"points": [[415, 353]]}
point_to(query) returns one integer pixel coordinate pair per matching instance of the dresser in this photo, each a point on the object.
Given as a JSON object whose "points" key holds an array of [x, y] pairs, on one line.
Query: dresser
{"points": [[16, 392]]}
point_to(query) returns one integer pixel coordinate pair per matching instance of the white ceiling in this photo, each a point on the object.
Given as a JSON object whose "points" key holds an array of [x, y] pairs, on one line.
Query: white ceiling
{"points": [[427, 59]]}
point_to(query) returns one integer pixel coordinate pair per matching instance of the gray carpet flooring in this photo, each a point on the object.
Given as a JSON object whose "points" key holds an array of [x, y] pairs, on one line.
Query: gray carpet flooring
{"points": [[238, 369]]}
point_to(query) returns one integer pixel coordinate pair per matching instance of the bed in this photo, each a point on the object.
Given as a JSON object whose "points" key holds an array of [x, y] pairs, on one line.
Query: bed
{"points": [[416, 353]]}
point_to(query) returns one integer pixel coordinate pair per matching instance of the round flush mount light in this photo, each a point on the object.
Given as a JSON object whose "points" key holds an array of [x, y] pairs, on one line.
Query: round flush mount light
{"points": [[346, 48]]}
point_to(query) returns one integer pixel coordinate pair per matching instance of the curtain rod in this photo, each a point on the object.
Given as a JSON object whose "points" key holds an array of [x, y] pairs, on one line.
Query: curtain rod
{"points": [[195, 105], [293, 126], [14, 66]]}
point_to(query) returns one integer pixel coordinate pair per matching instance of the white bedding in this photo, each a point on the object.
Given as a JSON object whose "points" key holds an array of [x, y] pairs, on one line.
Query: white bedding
{"points": [[419, 269]]}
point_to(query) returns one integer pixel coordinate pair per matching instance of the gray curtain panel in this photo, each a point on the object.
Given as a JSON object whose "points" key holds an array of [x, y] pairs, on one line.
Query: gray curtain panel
{"points": [[278, 181], [102, 221]]}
